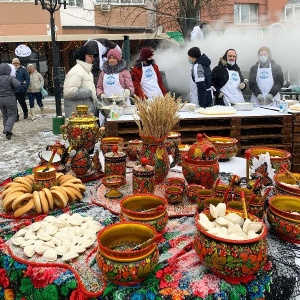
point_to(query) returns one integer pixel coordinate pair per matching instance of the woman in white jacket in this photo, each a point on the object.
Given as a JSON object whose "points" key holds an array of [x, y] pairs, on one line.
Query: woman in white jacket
{"points": [[79, 86]]}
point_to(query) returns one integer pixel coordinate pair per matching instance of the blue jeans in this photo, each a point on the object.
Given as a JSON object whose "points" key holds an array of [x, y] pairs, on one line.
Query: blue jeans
{"points": [[38, 97]]}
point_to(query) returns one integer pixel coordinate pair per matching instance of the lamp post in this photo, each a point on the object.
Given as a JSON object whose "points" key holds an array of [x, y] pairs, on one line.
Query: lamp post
{"points": [[52, 6]]}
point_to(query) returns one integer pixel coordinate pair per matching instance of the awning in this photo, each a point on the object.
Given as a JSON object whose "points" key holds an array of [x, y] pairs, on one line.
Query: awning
{"points": [[85, 37]]}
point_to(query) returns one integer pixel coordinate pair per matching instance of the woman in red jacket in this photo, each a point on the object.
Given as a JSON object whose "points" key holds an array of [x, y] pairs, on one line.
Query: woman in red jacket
{"points": [[146, 76]]}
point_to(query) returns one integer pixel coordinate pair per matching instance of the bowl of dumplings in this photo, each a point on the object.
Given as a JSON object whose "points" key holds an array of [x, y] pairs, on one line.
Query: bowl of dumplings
{"points": [[284, 217], [229, 245]]}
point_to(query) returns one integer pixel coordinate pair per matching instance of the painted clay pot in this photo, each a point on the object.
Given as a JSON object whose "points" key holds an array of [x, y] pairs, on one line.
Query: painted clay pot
{"points": [[256, 207], [133, 149], [182, 149], [226, 147], [155, 150], [232, 260], [172, 141], [284, 217], [145, 208], [175, 181], [143, 178], [278, 157], [174, 194], [115, 257], [284, 184], [80, 162], [115, 162], [192, 192], [43, 179], [58, 146], [108, 142]]}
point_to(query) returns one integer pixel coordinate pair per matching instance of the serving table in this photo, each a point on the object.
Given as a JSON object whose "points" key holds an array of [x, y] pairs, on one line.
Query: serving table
{"points": [[258, 127], [179, 274]]}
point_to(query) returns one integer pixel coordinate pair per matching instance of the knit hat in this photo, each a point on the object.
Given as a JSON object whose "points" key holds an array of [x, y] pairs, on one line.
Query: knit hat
{"points": [[225, 55], [116, 53], [82, 51], [146, 53], [15, 61], [194, 52]]}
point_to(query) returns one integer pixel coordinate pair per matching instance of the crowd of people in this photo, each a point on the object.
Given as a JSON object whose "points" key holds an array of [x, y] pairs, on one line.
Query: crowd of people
{"points": [[96, 84]]}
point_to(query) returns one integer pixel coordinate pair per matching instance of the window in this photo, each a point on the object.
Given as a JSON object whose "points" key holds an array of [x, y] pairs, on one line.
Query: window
{"points": [[245, 13], [75, 3], [291, 11], [121, 2]]}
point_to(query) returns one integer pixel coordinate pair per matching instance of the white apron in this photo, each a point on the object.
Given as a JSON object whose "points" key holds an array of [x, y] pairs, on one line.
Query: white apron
{"points": [[265, 82], [231, 90], [149, 82], [193, 92]]}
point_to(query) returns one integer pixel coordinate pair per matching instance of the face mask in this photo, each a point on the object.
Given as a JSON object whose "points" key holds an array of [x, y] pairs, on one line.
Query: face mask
{"points": [[149, 61], [190, 62], [263, 58], [231, 63]]}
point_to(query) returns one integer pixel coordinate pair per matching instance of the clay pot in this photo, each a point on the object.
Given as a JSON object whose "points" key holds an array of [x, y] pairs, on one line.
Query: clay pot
{"points": [[231, 260], [133, 149], [226, 147], [118, 263], [108, 142], [174, 194], [44, 179]]}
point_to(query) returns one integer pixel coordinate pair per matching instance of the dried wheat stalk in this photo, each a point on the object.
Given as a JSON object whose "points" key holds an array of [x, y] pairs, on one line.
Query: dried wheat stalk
{"points": [[157, 117]]}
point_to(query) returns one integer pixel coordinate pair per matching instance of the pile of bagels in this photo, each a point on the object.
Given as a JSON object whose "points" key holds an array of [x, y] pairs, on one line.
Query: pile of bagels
{"points": [[20, 198]]}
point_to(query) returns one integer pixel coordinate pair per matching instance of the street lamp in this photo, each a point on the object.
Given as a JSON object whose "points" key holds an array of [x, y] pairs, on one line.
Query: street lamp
{"points": [[52, 6]]}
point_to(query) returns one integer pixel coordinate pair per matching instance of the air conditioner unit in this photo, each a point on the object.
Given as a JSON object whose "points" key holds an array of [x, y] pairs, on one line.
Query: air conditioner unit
{"points": [[105, 7]]}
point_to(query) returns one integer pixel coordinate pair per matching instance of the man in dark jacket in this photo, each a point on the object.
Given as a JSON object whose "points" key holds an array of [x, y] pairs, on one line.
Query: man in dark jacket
{"points": [[227, 80], [23, 76], [200, 86]]}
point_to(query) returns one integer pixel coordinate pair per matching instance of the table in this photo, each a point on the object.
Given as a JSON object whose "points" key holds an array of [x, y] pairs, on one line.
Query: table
{"points": [[258, 127], [179, 274]]}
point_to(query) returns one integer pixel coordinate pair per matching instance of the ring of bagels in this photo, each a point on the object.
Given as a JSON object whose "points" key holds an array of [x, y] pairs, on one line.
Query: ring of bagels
{"points": [[18, 196]]}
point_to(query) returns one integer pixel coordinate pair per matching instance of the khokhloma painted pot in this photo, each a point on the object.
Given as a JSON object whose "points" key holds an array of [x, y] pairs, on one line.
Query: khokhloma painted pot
{"points": [[146, 208], [226, 147], [117, 259], [232, 260]]}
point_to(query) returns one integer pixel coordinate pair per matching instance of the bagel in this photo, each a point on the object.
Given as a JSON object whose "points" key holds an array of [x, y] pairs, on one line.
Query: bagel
{"points": [[13, 183], [10, 190], [59, 199], [77, 193], [44, 202], [24, 209], [7, 203], [71, 195], [31, 177], [59, 174], [37, 202], [21, 200], [24, 181], [58, 188], [49, 198], [73, 180], [73, 185], [82, 188], [64, 178]]}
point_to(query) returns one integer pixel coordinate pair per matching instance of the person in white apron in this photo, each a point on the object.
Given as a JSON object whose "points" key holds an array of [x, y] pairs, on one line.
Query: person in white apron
{"points": [[115, 80], [200, 85], [227, 80], [265, 79], [146, 76]]}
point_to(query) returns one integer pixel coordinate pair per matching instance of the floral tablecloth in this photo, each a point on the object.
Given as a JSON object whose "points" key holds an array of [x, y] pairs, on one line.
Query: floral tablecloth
{"points": [[178, 275]]}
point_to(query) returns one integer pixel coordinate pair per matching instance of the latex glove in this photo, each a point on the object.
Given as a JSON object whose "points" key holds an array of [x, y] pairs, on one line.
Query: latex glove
{"points": [[269, 98], [261, 99], [103, 96], [220, 95], [126, 93], [242, 85]]}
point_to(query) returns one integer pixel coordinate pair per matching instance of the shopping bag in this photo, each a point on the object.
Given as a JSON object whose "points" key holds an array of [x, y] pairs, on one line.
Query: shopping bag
{"points": [[44, 93]]}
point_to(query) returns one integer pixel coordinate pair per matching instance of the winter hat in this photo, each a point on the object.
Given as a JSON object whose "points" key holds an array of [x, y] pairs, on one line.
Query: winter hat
{"points": [[82, 51], [15, 61], [116, 53], [146, 53], [194, 52], [225, 55], [264, 48]]}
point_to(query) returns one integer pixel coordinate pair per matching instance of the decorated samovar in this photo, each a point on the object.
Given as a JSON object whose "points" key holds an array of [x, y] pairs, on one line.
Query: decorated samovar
{"points": [[83, 132]]}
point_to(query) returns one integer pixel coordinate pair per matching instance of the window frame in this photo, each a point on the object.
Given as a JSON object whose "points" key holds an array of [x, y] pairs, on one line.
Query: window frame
{"points": [[291, 6], [120, 2], [238, 8]]}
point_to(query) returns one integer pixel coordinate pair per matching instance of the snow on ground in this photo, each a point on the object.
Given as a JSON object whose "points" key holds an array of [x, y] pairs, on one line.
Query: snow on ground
{"points": [[29, 138]]}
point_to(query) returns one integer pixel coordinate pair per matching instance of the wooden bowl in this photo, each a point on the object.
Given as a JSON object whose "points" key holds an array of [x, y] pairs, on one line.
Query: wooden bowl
{"points": [[226, 147], [136, 208], [281, 184], [233, 260], [115, 258]]}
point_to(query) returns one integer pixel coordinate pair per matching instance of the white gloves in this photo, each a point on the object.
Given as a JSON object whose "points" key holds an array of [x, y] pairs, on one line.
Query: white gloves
{"points": [[220, 95], [103, 96], [242, 85], [269, 98], [261, 99], [126, 93]]}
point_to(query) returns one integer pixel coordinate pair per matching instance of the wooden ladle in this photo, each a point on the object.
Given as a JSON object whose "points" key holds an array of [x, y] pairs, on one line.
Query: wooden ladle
{"points": [[50, 161], [291, 175]]}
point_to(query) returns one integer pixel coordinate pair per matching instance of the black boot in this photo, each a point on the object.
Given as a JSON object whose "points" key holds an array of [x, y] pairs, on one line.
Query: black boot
{"points": [[8, 135], [25, 115]]}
